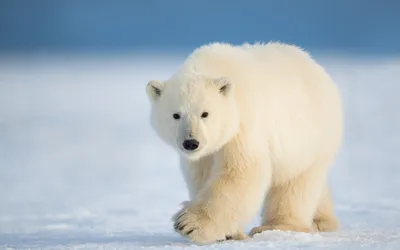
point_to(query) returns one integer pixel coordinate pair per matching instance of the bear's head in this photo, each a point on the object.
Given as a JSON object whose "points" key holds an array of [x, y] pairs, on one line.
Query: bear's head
{"points": [[196, 116]]}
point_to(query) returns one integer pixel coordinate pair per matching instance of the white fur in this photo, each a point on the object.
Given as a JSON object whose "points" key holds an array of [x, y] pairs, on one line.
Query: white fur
{"points": [[272, 133]]}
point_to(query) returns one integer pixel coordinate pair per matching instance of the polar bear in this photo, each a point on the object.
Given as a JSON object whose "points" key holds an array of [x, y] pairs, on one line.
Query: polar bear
{"points": [[255, 126]]}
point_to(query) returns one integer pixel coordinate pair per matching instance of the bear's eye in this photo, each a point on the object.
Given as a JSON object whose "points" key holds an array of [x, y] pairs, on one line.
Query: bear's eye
{"points": [[176, 116], [204, 115]]}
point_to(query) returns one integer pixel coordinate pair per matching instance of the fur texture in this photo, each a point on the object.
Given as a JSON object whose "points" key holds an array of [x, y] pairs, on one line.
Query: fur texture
{"points": [[272, 130]]}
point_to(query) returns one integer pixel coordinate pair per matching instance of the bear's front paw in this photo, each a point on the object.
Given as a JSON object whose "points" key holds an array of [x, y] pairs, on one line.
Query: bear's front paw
{"points": [[192, 222]]}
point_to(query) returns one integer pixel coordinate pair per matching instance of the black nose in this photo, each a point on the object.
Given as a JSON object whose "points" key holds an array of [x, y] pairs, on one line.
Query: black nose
{"points": [[190, 144]]}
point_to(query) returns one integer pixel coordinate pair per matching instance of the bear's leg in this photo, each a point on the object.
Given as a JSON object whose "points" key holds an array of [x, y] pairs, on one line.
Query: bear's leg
{"points": [[291, 206], [230, 198], [325, 219], [196, 173]]}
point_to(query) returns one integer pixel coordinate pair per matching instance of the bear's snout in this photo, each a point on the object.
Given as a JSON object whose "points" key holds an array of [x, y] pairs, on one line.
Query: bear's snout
{"points": [[191, 144]]}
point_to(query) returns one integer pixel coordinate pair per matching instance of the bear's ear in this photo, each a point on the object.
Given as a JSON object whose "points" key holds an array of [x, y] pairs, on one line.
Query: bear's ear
{"points": [[225, 86], [154, 89]]}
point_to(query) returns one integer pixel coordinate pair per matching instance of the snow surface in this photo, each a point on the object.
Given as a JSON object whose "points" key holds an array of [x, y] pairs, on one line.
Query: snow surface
{"points": [[80, 167]]}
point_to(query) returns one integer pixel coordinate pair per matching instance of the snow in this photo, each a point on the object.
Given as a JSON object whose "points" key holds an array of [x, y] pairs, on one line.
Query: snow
{"points": [[80, 167]]}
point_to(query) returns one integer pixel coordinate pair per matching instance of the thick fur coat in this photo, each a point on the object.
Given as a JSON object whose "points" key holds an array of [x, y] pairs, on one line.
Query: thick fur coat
{"points": [[256, 126]]}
